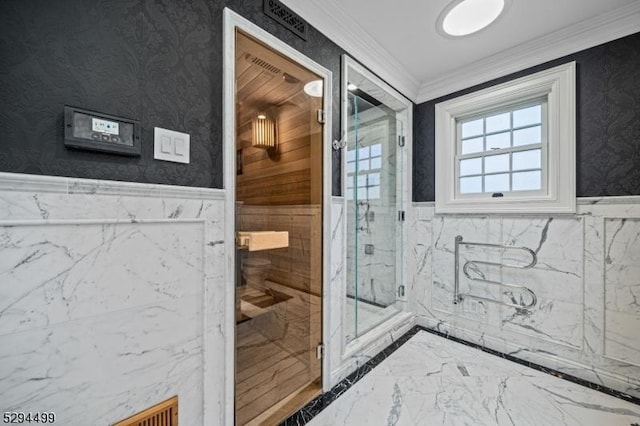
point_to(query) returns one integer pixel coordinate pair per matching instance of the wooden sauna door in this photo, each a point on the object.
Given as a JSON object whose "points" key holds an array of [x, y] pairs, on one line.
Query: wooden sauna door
{"points": [[278, 291]]}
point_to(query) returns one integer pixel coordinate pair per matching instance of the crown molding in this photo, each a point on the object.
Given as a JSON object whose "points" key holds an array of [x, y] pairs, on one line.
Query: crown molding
{"points": [[592, 32], [328, 17]]}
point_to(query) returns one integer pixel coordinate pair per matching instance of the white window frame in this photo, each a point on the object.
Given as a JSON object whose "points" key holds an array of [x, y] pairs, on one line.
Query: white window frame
{"points": [[557, 85]]}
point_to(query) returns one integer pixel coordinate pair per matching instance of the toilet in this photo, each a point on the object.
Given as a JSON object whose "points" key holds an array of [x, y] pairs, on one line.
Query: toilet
{"points": [[254, 270]]}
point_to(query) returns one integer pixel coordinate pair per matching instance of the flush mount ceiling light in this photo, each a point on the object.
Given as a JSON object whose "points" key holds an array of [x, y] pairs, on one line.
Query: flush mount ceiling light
{"points": [[465, 17], [352, 87], [314, 88]]}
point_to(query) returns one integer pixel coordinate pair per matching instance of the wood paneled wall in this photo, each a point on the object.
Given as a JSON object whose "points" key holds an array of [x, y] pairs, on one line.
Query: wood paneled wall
{"points": [[298, 266], [293, 173]]}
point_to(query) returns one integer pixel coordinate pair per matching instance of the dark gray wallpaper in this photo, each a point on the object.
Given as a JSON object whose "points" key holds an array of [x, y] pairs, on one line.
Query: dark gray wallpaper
{"points": [[608, 122], [158, 61]]}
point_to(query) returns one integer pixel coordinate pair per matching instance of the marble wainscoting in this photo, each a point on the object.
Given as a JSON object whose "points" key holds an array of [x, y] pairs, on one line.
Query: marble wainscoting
{"points": [[587, 281], [111, 299]]}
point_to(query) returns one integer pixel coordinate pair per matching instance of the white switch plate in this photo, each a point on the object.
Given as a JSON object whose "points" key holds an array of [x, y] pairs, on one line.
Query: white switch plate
{"points": [[169, 145]]}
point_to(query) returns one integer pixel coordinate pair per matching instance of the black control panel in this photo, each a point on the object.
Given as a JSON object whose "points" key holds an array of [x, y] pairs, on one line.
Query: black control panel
{"points": [[95, 131]]}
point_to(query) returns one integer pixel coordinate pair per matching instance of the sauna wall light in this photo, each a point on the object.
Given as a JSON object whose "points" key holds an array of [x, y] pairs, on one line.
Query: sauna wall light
{"points": [[264, 132]]}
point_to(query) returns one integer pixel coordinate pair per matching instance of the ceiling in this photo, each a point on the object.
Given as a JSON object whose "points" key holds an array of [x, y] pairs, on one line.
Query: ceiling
{"points": [[398, 40]]}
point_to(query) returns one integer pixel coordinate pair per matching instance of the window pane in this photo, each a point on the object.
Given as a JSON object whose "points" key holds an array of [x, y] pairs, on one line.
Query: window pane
{"points": [[527, 136], [351, 167], [363, 165], [499, 141], [471, 185], [496, 163], [496, 183], [527, 116], [376, 163], [498, 122], [374, 192], [374, 179], [364, 152], [376, 150], [362, 181], [351, 155], [469, 146], [472, 128], [362, 193], [472, 166], [350, 183], [527, 159], [527, 181]]}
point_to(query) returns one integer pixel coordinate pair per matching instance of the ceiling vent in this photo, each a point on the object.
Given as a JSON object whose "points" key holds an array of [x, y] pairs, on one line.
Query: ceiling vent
{"points": [[267, 66], [285, 16]]}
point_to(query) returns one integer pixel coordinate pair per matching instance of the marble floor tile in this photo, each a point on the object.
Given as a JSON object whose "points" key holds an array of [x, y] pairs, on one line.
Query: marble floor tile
{"points": [[434, 381]]}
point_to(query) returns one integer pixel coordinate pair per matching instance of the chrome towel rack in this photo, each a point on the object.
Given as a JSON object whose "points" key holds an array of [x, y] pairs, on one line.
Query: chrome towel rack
{"points": [[457, 296]]}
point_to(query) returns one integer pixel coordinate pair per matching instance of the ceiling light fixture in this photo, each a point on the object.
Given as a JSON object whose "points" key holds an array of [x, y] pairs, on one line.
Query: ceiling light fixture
{"points": [[352, 87], [465, 17], [314, 88]]}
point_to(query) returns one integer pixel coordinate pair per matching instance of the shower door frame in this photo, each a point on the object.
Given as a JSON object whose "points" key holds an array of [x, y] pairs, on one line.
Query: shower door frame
{"points": [[232, 22], [363, 343]]}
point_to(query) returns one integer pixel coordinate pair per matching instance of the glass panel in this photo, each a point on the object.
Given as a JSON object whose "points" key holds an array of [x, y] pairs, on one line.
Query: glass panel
{"points": [[527, 116], [374, 192], [471, 185], [351, 167], [472, 128], [278, 292], [376, 163], [499, 141], [496, 183], [527, 181], [372, 227], [469, 146], [498, 122], [527, 136], [472, 166], [527, 159], [349, 194], [496, 163]]}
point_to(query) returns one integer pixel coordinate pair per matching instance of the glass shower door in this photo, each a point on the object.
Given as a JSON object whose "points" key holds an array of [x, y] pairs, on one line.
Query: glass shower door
{"points": [[374, 196]]}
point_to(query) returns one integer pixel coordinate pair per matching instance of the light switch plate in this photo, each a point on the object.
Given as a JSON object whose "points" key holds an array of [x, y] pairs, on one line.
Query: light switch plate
{"points": [[170, 145]]}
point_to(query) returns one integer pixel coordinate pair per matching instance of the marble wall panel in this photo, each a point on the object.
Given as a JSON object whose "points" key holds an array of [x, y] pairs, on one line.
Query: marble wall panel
{"points": [[622, 290], [336, 320], [586, 281], [556, 278], [111, 299]]}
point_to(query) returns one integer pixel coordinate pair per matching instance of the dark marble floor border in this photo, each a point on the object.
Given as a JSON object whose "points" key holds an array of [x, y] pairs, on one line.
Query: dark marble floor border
{"points": [[319, 403]]}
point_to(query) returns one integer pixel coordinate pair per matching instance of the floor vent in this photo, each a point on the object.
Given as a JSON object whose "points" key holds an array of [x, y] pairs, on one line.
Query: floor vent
{"points": [[162, 414], [286, 17]]}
